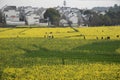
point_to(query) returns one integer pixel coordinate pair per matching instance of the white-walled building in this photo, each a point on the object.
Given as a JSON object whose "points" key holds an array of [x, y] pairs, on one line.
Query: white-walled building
{"points": [[63, 22], [41, 12], [11, 16], [71, 15], [73, 18], [28, 9], [35, 18], [32, 19]]}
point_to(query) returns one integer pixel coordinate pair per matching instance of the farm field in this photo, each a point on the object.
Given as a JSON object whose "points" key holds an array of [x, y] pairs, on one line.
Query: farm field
{"points": [[88, 32], [26, 55]]}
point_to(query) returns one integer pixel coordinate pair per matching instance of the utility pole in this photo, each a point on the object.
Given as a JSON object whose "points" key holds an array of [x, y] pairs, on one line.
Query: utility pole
{"points": [[64, 3]]}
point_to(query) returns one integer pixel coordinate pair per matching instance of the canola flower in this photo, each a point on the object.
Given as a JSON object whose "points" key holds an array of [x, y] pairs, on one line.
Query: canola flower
{"points": [[91, 71], [22, 58], [84, 33]]}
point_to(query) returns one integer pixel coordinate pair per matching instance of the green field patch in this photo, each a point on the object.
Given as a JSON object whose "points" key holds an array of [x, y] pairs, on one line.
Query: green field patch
{"points": [[65, 57], [51, 51]]}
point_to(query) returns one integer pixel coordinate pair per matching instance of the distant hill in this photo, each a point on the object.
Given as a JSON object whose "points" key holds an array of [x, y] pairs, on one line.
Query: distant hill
{"points": [[100, 9]]}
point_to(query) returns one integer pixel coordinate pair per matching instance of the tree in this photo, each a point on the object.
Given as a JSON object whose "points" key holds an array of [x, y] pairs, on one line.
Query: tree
{"points": [[53, 15], [114, 15], [70, 23], [107, 20], [88, 12], [0, 16]]}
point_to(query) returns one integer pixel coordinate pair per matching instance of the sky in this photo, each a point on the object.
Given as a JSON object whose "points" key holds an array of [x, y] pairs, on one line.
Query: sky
{"points": [[81, 4]]}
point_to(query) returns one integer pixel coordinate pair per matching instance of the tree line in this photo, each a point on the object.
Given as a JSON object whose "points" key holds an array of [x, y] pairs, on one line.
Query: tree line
{"points": [[111, 17]]}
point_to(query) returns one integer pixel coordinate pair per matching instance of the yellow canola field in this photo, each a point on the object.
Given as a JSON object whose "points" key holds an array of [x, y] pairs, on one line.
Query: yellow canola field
{"points": [[83, 32], [67, 72], [93, 32]]}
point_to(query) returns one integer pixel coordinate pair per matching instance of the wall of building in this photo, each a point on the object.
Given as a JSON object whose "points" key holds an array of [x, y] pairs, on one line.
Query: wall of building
{"points": [[43, 24], [74, 19], [32, 19], [15, 23], [11, 15]]}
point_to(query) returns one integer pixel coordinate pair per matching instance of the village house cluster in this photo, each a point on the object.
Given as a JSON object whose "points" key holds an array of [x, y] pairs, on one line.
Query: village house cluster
{"points": [[23, 15], [68, 15], [11, 15]]}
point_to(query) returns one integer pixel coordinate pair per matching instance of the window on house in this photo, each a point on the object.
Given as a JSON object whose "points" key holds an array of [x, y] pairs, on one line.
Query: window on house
{"points": [[13, 16], [6, 15], [42, 21], [36, 18]]}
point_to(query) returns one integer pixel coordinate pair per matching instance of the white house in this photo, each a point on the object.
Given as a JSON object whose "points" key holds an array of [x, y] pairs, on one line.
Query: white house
{"points": [[11, 16], [41, 12], [35, 19], [72, 16], [28, 9], [32, 18], [63, 22]]}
